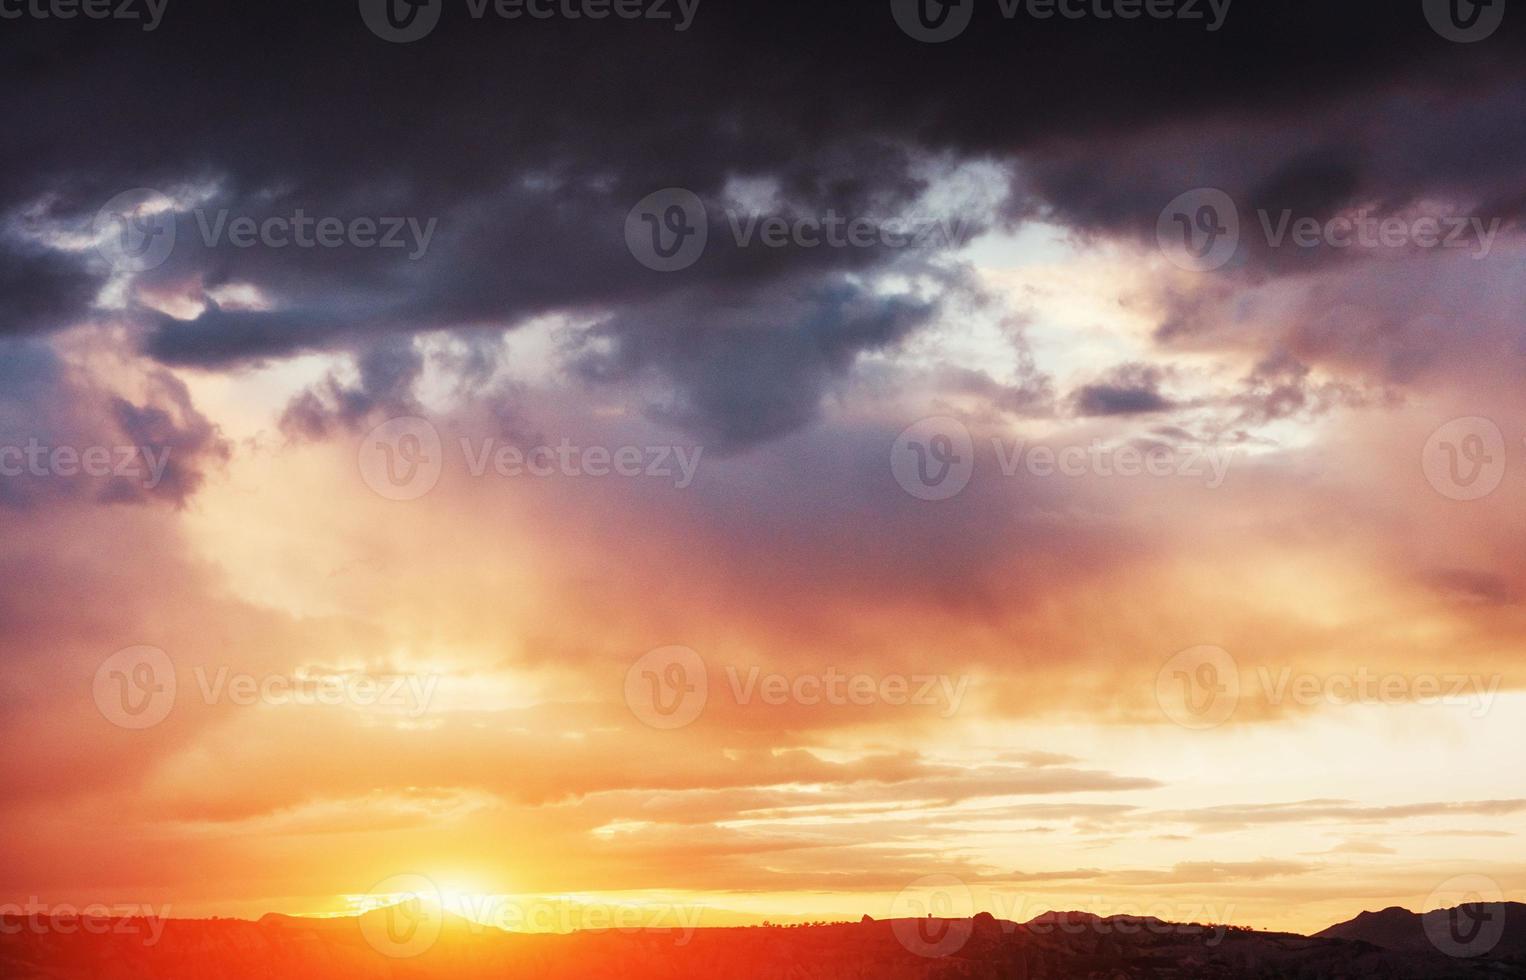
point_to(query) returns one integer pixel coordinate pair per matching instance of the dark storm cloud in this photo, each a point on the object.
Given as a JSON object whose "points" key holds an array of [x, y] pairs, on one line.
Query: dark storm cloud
{"points": [[1132, 389], [154, 447], [528, 142], [39, 290]]}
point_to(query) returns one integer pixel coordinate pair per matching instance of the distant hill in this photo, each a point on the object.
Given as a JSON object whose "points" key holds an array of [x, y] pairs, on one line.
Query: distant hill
{"points": [[422, 943], [1495, 930]]}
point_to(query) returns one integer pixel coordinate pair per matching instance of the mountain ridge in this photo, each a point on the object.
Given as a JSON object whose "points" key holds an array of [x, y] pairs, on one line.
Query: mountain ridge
{"points": [[419, 942]]}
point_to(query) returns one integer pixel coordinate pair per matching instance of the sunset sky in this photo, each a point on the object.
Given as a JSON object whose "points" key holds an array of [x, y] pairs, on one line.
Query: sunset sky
{"points": [[1276, 683]]}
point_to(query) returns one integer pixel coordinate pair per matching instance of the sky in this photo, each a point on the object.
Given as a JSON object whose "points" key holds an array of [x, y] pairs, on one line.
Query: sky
{"points": [[763, 461]]}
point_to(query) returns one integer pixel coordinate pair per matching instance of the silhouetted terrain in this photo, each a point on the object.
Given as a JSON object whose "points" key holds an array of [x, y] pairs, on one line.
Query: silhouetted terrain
{"points": [[1391, 944], [1499, 928]]}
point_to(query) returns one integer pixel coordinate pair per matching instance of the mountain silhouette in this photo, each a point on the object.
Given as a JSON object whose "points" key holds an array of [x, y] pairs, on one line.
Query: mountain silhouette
{"points": [[1495, 929], [410, 941]]}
